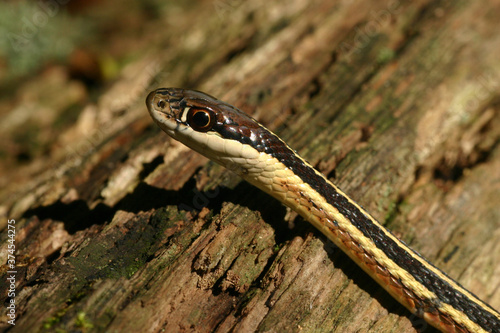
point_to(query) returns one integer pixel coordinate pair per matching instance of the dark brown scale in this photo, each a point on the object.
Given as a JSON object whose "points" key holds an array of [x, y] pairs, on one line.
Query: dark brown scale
{"points": [[396, 283]]}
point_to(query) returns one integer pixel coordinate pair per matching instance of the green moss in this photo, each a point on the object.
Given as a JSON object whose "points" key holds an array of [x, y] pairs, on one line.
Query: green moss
{"points": [[385, 55], [133, 268], [82, 321], [51, 321], [54, 320], [114, 256]]}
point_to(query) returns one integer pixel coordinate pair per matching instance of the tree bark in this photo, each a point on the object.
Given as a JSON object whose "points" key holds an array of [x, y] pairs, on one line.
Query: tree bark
{"points": [[396, 102]]}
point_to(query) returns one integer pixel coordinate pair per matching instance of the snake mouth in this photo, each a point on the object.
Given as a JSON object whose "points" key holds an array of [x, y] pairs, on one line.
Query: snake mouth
{"points": [[164, 106], [160, 104]]}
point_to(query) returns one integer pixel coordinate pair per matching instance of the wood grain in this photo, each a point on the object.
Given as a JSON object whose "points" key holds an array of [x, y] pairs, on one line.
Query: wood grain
{"points": [[397, 102]]}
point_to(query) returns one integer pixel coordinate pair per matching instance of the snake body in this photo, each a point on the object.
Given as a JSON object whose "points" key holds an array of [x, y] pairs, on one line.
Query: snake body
{"points": [[233, 139]]}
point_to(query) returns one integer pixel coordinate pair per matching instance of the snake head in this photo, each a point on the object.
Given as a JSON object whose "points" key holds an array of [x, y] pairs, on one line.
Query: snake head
{"points": [[176, 109], [211, 127]]}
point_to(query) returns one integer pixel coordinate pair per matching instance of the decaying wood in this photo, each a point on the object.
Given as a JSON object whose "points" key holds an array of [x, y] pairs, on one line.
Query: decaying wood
{"points": [[397, 102]]}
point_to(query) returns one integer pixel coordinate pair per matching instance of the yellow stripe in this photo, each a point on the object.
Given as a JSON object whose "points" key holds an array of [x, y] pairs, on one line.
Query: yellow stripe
{"points": [[282, 175]]}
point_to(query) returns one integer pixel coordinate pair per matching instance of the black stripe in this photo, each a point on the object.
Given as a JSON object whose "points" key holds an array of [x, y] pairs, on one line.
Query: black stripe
{"points": [[266, 141]]}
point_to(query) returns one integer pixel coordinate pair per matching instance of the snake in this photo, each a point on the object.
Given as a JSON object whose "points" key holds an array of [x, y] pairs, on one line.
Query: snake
{"points": [[235, 140]]}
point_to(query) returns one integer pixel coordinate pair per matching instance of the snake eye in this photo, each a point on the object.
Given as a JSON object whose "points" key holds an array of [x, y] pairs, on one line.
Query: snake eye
{"points": [[201, 120]]}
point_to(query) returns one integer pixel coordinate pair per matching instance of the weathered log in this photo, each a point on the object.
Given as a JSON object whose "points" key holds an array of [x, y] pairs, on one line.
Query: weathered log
{"points": [[397, 102]]}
